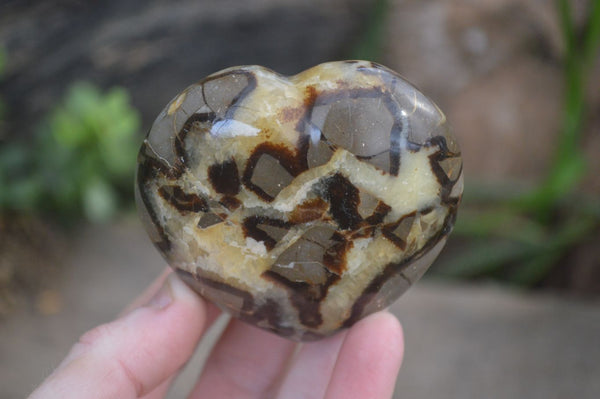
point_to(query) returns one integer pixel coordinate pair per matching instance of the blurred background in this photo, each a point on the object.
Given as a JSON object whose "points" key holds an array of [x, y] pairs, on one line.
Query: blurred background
{"points": [[512, 307]]}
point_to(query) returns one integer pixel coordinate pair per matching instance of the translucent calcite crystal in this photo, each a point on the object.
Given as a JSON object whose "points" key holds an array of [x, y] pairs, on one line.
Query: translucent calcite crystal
{"points": [[300, 204]]}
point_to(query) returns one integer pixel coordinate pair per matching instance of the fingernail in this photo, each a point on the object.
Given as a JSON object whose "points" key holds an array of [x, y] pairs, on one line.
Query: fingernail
{"points": [[179, 289], [163, 297]]}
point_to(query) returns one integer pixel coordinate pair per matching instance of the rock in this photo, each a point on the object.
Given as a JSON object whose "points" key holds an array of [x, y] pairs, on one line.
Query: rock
{"points": [[495, 67], [300, 204], [154, 49], [512, 132]]}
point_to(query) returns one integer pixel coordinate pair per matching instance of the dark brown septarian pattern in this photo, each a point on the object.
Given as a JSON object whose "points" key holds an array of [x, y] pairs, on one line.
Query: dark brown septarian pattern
{"points": [[224, 177], [300, 204]]}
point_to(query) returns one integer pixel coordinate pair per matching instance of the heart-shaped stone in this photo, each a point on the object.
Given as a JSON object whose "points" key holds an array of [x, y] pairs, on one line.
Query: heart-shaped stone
{"points": [[300, 204]]}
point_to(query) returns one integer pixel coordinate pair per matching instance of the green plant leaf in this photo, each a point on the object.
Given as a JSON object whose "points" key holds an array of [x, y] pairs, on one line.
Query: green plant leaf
{"points": [[3, 61], [370, 44], [82, 99], [67, 129], [591, 43], [99, 200], [23, 195], [484, 257], [82, 156], [532, 271], [14, 158], [501, 222]]}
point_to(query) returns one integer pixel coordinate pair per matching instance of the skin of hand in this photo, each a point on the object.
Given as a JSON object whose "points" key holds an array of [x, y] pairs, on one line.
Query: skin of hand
{"points": [[140, 353]]}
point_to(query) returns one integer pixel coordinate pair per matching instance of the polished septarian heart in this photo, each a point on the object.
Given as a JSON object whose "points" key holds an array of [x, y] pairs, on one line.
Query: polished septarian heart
{"points": [[300, 204]]}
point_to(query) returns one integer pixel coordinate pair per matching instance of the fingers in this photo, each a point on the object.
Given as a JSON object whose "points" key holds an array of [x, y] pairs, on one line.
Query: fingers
{"points": [[369, 359], [148, 293], [131, 356], [311, 370], [246, 363], [362, 362]]}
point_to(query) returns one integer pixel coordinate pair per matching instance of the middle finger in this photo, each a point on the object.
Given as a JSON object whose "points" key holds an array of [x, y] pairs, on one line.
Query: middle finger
{"points": [[246, 363]]}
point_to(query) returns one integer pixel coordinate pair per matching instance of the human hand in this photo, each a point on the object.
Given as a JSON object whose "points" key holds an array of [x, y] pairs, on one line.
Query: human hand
{"points": [[139, 354]]}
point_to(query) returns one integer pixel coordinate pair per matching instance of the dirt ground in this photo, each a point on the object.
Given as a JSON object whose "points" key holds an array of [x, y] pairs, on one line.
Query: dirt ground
{"points": [[461, 340]]}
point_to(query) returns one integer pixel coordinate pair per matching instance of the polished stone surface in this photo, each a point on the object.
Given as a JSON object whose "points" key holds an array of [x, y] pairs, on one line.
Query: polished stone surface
{"points": [[300, 204]]}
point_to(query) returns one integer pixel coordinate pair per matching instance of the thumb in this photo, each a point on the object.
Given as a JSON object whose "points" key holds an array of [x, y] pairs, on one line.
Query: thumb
{"points": [[132, 355]]}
